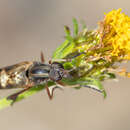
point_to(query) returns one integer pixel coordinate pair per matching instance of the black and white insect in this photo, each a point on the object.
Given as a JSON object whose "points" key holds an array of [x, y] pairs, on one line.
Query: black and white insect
{"points": [[28, 74]]}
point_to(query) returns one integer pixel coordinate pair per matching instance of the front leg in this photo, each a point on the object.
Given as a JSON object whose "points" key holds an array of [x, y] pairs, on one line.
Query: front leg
{"points": [[68, 59]]}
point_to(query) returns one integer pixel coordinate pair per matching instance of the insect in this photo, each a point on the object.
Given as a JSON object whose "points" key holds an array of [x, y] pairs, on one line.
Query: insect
{"points": [[28, 74]]}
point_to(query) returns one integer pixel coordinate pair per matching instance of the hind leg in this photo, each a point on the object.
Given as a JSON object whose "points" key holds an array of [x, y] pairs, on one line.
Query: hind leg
{"points": [[14, 96]]}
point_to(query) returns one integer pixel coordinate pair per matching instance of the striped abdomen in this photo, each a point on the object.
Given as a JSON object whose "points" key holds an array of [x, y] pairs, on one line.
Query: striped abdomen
{"points": [[14, 76]]}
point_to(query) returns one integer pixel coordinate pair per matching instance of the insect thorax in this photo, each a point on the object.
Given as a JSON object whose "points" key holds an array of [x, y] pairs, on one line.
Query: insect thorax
{"points": [[38, 73]]}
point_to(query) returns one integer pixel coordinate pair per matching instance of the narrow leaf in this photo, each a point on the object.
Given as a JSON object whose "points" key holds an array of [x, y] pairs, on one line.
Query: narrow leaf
{"points": [[6, 102], [76, 28], [67, 31], [94, 84], [63, 50]]}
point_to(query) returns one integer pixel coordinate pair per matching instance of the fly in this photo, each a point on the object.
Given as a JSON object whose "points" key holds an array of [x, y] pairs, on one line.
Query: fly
{"points": [[28, 74]]}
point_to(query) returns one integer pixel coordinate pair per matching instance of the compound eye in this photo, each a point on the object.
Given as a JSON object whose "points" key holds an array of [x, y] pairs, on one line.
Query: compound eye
{"points": [[55, 75], [57, 65]]}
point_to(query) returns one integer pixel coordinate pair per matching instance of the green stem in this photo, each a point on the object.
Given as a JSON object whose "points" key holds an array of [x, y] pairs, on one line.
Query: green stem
{"points": [[6, 102]]}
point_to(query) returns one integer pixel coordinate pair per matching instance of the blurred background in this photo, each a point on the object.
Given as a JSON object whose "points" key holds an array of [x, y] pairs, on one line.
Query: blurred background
{"points": [[29, 26]]}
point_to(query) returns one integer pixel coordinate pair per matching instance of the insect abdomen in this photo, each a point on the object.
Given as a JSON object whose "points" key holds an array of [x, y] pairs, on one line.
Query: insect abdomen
{"points": [[14, 80], [14, 76]]}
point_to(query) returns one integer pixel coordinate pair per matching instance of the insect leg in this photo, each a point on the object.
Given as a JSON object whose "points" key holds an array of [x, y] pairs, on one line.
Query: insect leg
{"points": [[15, 95], [68, 59], [50, 62], [42, 57], [75, 55], [51, 94], [60, 83]]}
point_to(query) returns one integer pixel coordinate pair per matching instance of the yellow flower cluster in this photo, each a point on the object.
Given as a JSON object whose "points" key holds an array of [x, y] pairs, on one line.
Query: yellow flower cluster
{"points": [[116, 32]]}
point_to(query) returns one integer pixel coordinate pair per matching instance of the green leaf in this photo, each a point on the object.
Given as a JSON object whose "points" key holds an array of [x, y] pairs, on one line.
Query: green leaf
{"points": [[63, 50], [57, 53], [70, 82], [68, 65], [84, 27], [67, 31], [87, 82], [76, 28], [68, 35], [111, 75], [4, 103], [94, 84]]}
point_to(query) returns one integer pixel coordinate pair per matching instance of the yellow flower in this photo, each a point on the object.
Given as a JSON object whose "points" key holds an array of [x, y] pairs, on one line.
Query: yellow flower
{"points": [[116, 32]]}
